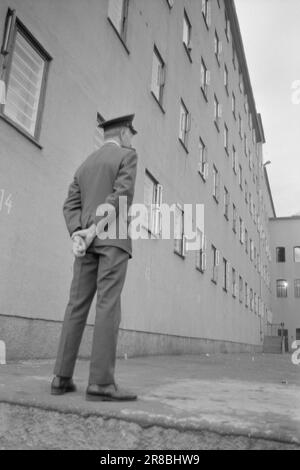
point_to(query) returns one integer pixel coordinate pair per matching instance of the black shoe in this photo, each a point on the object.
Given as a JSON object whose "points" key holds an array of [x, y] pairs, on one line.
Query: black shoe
{"points": [[62, 385], [111, 392]]}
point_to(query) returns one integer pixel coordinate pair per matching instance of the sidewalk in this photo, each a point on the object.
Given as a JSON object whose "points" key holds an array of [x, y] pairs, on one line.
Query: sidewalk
{"points": [[234, 401]]}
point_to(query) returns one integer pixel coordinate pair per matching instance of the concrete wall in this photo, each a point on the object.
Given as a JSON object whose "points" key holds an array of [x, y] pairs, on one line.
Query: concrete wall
{"points": [[285, 232], [92, 72]]}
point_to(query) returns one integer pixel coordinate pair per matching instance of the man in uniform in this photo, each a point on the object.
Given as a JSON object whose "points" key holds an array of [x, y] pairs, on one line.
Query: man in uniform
{"points": [[107, 176]]}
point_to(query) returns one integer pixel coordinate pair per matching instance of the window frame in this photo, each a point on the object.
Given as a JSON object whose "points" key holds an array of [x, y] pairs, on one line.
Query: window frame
{"points": [[184, 142], [162, 77], [19, 27], [281, 290], [282, 256], [180, 241], [187, 46], [122, 35], [295, 255]]}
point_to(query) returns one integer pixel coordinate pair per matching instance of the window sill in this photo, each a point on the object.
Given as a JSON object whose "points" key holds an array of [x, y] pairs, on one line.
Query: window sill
{"points": [[217, 125], [204, 93], [188, 52], [179, 254], [227, 151], [216, 199], [225, 290], [218, 60], [202, 176], [158, 102], [200, 270], [183, 145], [226, 89], [214, 281], [119, 36], [205, 22], [20, 130], [226, 217]]}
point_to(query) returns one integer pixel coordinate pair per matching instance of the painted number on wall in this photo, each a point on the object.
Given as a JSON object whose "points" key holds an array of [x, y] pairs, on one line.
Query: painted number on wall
{"points": [[5, 201]]}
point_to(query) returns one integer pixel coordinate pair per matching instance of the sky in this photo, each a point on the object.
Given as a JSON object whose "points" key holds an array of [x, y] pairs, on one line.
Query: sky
{"points": [[271, 36]]}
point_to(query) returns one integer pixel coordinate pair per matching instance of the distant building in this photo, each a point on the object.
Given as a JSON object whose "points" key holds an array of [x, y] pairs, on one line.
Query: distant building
{"points": [[181, 67], [285, 274]]}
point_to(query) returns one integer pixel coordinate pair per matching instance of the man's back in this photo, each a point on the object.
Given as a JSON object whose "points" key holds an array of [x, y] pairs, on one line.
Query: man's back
{"points": [[102, 178]]}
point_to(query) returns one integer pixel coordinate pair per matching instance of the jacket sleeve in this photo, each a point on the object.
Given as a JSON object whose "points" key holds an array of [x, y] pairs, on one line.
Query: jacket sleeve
{"points": [[124, 184], [72, 207]]}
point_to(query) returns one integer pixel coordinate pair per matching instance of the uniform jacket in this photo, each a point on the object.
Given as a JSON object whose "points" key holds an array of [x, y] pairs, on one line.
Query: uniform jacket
{"points": [[103, 177]]}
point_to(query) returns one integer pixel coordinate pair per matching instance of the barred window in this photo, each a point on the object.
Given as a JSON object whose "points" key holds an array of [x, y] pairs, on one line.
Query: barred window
{"points": [[281, 287]]}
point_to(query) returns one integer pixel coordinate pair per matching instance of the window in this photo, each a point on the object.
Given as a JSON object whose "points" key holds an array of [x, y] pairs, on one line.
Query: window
{"points": [[187, 34], [216, 184], [170, 3], [226, 203], [297, 254], [206, 12], [118, 16], [218, 47], [184, 125], [234, 218], [245, 145], [250, 203], [234, 58], [297, 288], [297, 334], [241, 82], [280, 254], [251, 250], [203, 163], [246, 295], [242, 231], [251, 300], [233, 282], [240, 127], [99, 133], [225, 274], [234, 159], [233, 105], [158, 76], [227, 28], [215, 263], [217, 113], [152, 201], [180, 240], [241, 177], [226, 79], [246, 241], [205, 78], [201, 253], [241, 286], [226, 139], [281, 288], [26, 66]]}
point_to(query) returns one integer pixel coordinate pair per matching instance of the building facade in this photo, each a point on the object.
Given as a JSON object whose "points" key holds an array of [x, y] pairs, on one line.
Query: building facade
{"points": [[181, 67], [285, 274]]}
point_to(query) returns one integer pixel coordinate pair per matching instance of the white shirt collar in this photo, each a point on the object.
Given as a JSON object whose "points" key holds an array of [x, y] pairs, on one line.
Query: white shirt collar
{"points": [[112, 141]]}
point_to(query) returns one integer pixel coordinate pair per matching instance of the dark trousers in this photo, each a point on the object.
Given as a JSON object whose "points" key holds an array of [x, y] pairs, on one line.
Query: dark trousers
{"points": [[103, 271]]}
